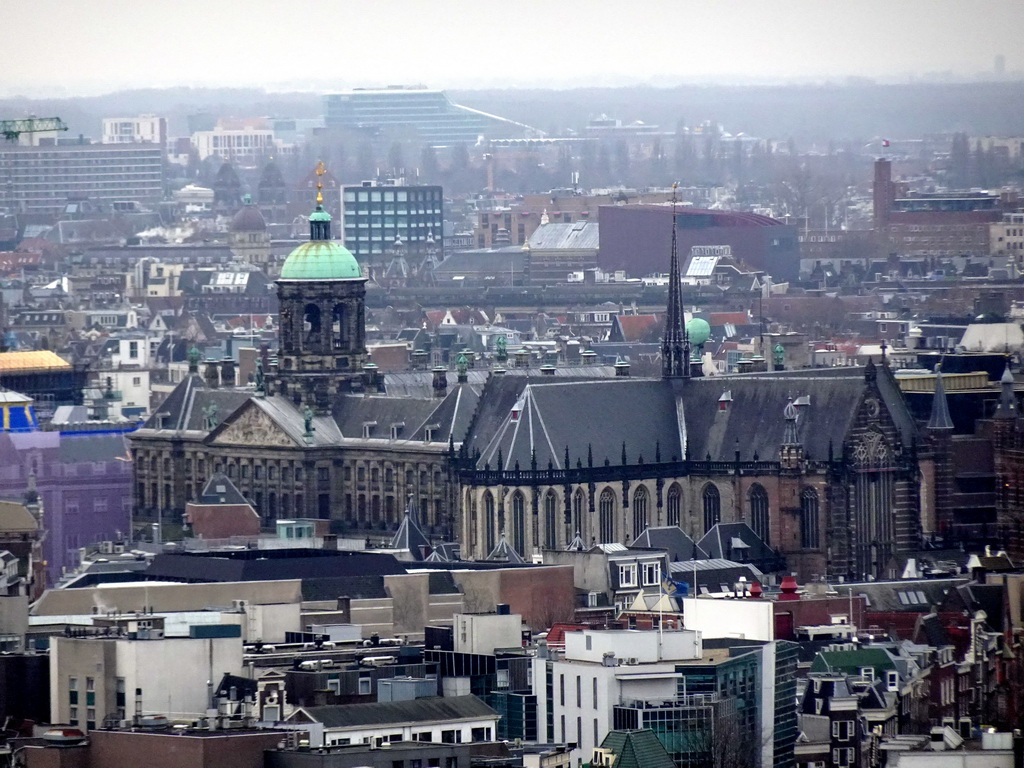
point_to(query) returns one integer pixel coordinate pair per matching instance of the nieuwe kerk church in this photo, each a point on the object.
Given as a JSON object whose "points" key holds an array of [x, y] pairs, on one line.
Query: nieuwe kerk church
{"points": [[825, 465]]}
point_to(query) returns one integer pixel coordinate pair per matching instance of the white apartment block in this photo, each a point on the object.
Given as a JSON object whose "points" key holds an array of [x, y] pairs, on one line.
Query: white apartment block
{"points": [[601, 669], [95, 676], [144, 129], [245, 146]]}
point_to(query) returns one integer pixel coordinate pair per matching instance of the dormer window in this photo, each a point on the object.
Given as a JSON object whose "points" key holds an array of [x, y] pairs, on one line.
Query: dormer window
{"points": [[368, 428], [517, 410], [725, 400], [396, 429]]}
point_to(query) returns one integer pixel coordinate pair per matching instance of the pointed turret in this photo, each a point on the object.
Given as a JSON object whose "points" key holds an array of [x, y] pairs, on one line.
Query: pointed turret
{"points": [[940, 418], [791, 436], [1007, 399], [675, 344]]}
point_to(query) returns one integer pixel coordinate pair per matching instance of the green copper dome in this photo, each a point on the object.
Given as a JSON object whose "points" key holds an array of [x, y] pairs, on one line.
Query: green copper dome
{"points": [[321, 260], [698, 330]]}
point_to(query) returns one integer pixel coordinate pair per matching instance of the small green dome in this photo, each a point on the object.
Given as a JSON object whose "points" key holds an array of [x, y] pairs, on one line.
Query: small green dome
{"points": [[698, 330], [321, 260], [319, 215]]}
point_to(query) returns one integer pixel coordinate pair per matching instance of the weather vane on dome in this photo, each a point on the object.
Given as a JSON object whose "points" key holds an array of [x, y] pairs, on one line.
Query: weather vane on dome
{"points": [[320, 171]]}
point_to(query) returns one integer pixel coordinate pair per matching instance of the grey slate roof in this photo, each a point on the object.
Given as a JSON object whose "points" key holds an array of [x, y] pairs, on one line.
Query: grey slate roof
{"points": [[721, 541], [430, 709], [409, 538], [884, 596], [579, 414], [220, 490], [673, 539], [184, 406]]}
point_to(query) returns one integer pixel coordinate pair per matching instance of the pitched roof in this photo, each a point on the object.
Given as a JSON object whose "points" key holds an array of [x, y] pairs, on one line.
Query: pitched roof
{"points": [[602, 415], [220, 490], [504, 552], [409, 537], [430, 709], [637, 749], [673, 539], [735, 540]]}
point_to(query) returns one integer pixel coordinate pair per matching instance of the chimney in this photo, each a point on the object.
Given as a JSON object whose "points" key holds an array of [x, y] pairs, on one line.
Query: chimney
{"points": [[440, 381], [211, 374], [227, 372]]}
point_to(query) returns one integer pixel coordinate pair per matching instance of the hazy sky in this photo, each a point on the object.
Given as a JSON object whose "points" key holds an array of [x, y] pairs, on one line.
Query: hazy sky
{"points": [[102, 45]]}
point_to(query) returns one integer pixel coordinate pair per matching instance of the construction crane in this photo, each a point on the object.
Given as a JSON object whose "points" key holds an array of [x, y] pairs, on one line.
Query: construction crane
{"points": [[12, 129]]}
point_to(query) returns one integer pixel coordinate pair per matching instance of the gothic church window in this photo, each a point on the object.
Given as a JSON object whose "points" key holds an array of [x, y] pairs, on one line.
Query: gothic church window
{"points": [[674, 505], [640, 511], [809, 518], [712, 507], [606, 516], [550, 520], [759, 511], [518, 522]]}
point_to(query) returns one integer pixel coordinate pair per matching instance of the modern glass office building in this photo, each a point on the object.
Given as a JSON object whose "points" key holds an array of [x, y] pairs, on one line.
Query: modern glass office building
{"points": [[428, 115], [378, 216]]}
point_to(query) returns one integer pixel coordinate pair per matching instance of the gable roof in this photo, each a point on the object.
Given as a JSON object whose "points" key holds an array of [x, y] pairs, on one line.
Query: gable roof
{"points": [[733, 541], [673, 539], [220, 490]]}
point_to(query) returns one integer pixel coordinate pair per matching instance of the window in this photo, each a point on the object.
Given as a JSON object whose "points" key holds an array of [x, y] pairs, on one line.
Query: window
{"points": [[606, 516], [651, 574], [892, 678], [759, 511], [639, 511], [712, 507], [809, 537], [550, 520], [627, 575], [842, 730], [365, 686], [519, 522], [594, 681], [674, 504]]}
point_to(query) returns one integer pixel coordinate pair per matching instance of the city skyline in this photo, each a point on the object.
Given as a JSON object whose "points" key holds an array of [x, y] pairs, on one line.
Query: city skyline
{"points": [[132, 45]]}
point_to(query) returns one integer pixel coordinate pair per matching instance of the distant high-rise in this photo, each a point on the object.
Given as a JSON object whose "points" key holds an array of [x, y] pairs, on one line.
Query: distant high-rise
{"points": [[395, 219], [430, 113], [44, 179]]}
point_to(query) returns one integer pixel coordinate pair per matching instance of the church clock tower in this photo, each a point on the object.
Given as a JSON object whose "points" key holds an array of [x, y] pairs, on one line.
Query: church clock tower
{"points": [[322, 294]]}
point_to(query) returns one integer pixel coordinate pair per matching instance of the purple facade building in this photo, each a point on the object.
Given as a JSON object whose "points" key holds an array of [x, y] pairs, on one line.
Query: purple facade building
{"points": [[83, 480]]}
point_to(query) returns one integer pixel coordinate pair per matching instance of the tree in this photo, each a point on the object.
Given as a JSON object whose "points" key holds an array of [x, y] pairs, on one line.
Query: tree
{"points": [[429, 168], [622, 162], [396, 159], [365, 161]]}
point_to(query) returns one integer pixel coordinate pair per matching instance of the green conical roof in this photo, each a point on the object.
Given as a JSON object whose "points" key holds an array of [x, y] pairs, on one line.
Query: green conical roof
{"points": [[321, 260]]}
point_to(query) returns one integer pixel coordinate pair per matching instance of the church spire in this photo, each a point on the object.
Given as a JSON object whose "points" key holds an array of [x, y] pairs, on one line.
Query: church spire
{"points": [[320, 220], [675, 344], [940, 418]]}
